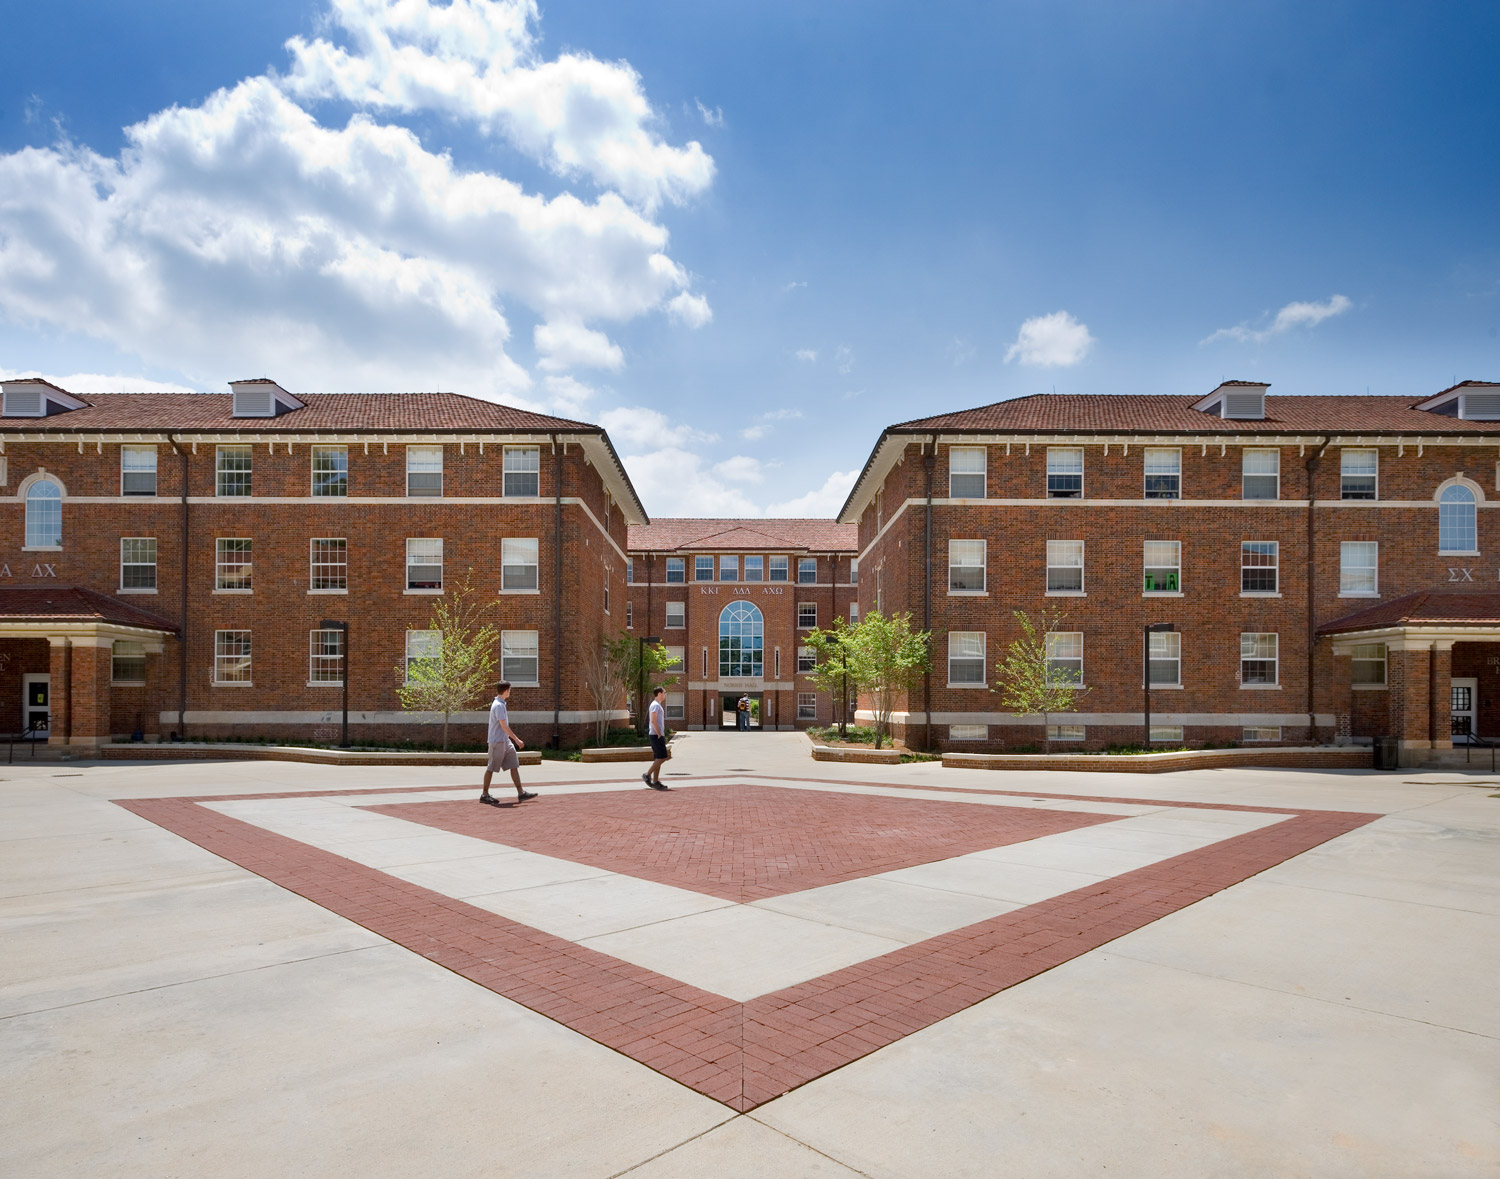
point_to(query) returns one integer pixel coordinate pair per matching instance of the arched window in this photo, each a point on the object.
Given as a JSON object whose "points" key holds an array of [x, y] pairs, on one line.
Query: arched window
{"points": [[1457, 530], [43, 515], [741, 641]]}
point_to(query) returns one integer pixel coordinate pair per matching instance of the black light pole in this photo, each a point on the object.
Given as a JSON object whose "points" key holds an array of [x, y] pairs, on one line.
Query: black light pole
{"points": [[1150, 629], [330, 624]]}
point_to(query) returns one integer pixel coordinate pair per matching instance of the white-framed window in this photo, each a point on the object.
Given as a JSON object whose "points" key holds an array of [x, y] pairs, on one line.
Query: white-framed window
{"points": [[1258, 657], [968, 732], [138, 564], [1260, 474], [1368, 664], [1261, 733], [1258, 566], [4, 471], [127, 662], [325, 657], [1163, 472], [522, 471], [606, 591], [423, 648], [629, 615], [137, 470], [234, 566], [1458, 528], [966, 472], [424, 470], [1163, 560], [1067, 732], [807, 659], [1065, 566], [676, 615], [853, 613], [232, 657], [853, 570], [966, 565], [807, 706], [778, 568], [328, 559], [330, 470], [1064, 472], [1171, 734], [424, 563], [807, 615], [966, 658], [629, 570], [520, 660], [44, 515], [703, 568], [1164, 659], [755, 568], [676, 570], [729, 568], [1065, 657], [232, 471], [520, 562], [1359, 473], [676, 658], [807, 571], [1358, 568], [775, 663], [676, 705]]}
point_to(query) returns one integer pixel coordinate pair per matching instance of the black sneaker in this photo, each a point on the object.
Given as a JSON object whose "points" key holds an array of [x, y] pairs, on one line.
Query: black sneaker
{"points": [[489, 800], [646, 778], [657, 785], [524, 795]]}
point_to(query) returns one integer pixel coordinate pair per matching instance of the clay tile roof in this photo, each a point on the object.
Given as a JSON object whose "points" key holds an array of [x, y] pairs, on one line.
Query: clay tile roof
{"points": [[75, 604], [324, 411], [1164, 413], [1424, 608], [739, 535]]}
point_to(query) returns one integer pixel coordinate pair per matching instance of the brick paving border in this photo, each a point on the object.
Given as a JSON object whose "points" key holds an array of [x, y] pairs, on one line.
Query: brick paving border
{"points": [[745, 1054]]}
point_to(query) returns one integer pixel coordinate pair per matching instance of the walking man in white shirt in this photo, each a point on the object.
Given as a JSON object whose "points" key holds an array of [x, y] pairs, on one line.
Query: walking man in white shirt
{"points": [[503, 744], [657, 731]]}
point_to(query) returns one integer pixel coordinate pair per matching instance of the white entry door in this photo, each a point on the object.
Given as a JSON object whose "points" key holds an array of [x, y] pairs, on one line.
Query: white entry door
{"points": [[36, 705], [1465, 709]]}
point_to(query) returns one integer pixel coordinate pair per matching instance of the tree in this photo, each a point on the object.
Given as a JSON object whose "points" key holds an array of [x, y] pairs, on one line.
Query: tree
{"points": [[456, 666], [888, 659], [1029, 678], [615, 666], [835, 671], [648, 667]]}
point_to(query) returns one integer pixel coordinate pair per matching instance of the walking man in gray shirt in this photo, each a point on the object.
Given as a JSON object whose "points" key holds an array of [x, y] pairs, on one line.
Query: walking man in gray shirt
{"points": [[503, 744], [657, 732]]}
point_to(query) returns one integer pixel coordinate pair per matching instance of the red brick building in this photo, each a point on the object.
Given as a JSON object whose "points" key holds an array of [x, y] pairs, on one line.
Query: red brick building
{"points": [[733, 600], [171, 559], [1326, 564]]}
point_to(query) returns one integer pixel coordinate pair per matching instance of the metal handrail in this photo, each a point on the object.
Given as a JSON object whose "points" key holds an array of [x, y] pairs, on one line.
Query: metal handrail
{"points": [[30, 731], [1471, 739]]}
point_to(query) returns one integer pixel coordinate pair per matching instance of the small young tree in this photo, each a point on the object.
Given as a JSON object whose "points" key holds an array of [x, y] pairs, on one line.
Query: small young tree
{"points": [[648, 666], [835, 671], [1028, 679], [614, 670], [458, 665], [888, 659]]}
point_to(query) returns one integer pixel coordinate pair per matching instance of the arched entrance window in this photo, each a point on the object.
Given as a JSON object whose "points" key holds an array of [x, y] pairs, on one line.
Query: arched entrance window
{"points": [[741, 641], [43, 515], [1457, 530]]}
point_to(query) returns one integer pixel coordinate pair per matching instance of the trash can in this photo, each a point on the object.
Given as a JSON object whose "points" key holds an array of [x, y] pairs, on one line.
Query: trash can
{"points": [[1387, 753]]}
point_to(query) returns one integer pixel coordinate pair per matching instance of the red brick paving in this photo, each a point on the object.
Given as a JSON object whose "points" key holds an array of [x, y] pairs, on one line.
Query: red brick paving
{"points": [[744, 1054], [745, 842]]}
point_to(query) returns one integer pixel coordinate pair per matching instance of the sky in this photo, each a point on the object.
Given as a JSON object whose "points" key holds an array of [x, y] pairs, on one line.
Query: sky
{"points": [[745, 238]]}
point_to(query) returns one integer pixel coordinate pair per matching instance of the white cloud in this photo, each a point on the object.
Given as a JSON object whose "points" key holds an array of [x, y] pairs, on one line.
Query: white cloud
{"points": [[566, 395], [692, 310], [960, 352], [852, 394], [673, 481], [823, 501], [244, 235], [792, 286], [639, 425], [843, 359], [571, 345], [756, 432], [1293, 315], [86, 383], [1052, 341], [739, 469], [714, 118], [753, 433], [808, 354]]}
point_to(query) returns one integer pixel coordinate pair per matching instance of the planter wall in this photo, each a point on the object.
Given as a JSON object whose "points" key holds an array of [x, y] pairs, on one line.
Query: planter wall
{"points": [[189, 751], [879, 757], [1307, 758]]}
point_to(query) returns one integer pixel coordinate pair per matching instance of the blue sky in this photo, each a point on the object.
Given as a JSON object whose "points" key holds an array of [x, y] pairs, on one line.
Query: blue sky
{"points": [[889, 211]]}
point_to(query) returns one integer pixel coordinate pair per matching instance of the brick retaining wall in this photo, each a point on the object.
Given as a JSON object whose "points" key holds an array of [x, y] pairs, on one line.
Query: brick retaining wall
{"points": [[1163, 763]]}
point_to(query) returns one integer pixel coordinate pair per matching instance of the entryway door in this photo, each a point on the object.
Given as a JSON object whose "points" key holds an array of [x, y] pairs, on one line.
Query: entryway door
{"points": [[36, 704], [1465, 709]]}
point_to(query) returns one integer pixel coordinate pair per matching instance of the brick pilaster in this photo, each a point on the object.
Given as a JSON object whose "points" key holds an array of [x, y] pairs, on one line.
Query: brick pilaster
{"points": [[88, 695], [1441, 696], [60, 689], [1409, 673]]}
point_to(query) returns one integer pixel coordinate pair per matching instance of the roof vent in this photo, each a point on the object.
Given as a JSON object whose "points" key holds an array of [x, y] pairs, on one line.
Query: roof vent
{"points": [[1482, 407], [1475, 401], [1237, 400], [33, 397], [262, 398]]}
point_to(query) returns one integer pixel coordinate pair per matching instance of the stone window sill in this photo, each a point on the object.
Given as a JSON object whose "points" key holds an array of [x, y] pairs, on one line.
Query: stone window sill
{"points": [[329, 591], [423, 592], [1067, 593], [1258, 594], [232, 684], [233, 591], [1362, 594], [519, 592], [977, 687], [1260, 687], [1161, 594], [1464, 553], [134, 590], [41, 548], [953, 593], [1367, 687], [325, 683]]}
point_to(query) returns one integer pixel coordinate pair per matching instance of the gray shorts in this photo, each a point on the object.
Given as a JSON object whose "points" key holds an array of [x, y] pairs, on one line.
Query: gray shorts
{"points": [[503, 756]]}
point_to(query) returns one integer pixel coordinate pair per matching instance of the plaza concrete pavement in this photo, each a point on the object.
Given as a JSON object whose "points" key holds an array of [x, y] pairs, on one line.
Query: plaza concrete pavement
{"points": [[780, 968]]}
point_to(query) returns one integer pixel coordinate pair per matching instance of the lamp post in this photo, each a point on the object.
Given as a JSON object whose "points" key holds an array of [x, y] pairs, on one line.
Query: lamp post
{"points": [[836, 641], [1150, 629], [640, 676], [330, 624]]}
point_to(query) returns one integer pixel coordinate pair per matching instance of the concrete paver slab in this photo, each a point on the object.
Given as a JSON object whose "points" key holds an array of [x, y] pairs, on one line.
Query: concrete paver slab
{"points": [[580, 909], [1022, 884], [501, 871], [742, 1149], [887, 908], [51, 863]]}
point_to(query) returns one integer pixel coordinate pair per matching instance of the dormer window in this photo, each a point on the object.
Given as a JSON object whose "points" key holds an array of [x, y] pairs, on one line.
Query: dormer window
{"points": [[262, 398], [1473, 401], [36, 398], [1243, 401]]}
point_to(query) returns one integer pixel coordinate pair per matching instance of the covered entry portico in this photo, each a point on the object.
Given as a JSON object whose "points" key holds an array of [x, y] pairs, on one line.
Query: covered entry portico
{"points": [[58, 668], [1423, 668]]}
